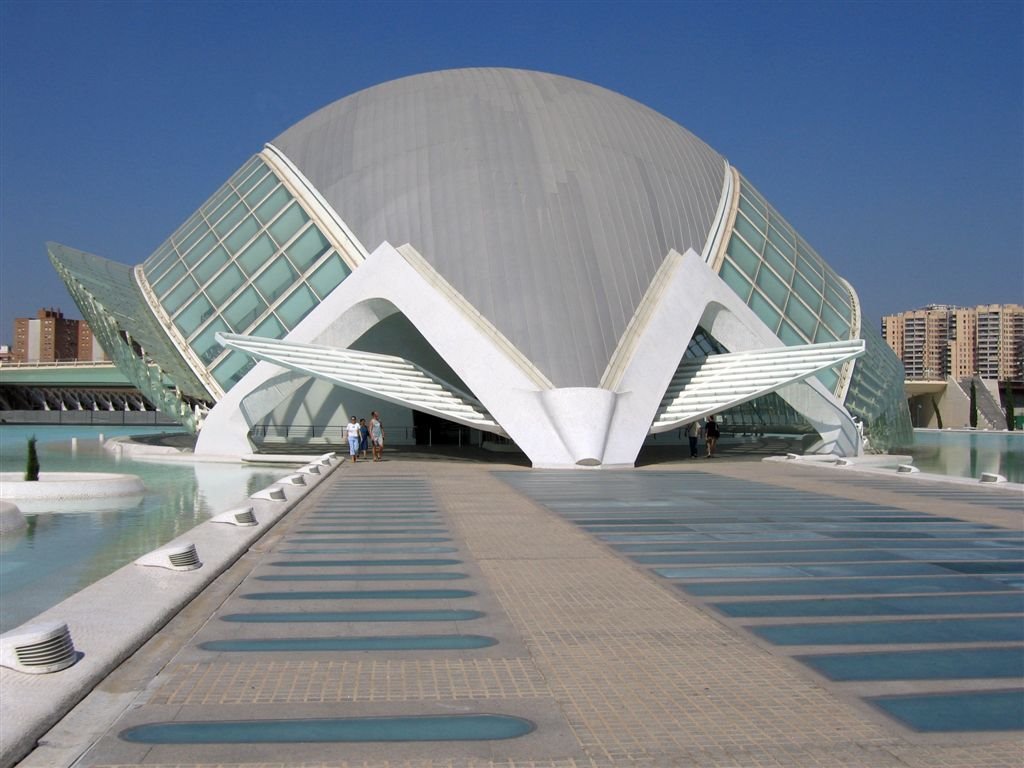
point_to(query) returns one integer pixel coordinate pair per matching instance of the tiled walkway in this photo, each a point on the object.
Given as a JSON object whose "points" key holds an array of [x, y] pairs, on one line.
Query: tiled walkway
{"points": [[611, 662]]}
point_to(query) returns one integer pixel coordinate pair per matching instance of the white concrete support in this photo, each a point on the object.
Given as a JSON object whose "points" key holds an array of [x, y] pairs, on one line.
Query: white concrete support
{"points": [[555, 427]]}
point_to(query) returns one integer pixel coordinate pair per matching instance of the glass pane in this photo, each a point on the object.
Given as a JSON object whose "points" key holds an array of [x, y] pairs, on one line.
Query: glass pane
{"points": [[270, 328], [769, 315], [839, 299], [215, 202], [269, 208], [276, 279], [200, 249], [226, 283], [823, 334], [243, 233], [257, 254], [813, 276], [801, 317], [755, 215], [209, 266], [807, 292], [288, 223], [837, 325], [186, 289], [750, 234], [232, 368], [165, 283], [189, 232], [778, 262], [226, 224], [247, 183], [296, 306], [329, 275], [262, 190], [231, 199], [243, 311], [830, 378], [735, 280], [773, 287], [745, 258], [194, 315], [789, 336], [205, 345], [309, 247], [781, 242]]}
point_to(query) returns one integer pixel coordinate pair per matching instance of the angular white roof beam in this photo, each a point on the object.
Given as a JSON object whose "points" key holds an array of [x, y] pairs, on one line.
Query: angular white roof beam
{"points": [[707, 385], [387, 377]]}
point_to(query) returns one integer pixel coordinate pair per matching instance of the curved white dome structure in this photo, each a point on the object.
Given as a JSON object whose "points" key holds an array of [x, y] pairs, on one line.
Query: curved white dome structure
{"points": [[560, 250]]}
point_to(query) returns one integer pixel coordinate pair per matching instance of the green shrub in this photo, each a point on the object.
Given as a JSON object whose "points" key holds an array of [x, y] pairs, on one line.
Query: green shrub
{"points": [[32, 466]]}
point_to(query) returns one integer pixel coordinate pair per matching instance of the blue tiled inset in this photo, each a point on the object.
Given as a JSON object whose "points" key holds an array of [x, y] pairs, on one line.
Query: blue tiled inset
{"points": [[382, 643], [340, 730], [972, 630], [954, 712], [286, 617], [949, 664], [917, 605], [846, 586], [367, 594]]}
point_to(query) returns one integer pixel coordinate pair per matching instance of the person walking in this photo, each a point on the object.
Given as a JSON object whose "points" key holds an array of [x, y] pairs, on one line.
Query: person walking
{"points": [[364, 438], [376, 436], [692, 433], [352, 433], [711, 436]]}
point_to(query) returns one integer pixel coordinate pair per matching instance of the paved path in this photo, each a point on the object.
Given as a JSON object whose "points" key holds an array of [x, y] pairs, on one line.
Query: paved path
{"points": [[611, 662]]}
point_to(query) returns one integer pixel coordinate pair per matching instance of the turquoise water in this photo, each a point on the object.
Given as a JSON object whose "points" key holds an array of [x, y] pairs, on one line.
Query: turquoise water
{"points": [[67, 547], [968, 454]]}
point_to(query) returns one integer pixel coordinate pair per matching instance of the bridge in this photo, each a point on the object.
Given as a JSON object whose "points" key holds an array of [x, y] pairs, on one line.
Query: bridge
{"points": [[67, 385]]}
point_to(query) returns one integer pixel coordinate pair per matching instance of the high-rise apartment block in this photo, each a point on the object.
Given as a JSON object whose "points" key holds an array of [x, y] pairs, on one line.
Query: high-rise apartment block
{"points": [[50, 337], [939, 341]]}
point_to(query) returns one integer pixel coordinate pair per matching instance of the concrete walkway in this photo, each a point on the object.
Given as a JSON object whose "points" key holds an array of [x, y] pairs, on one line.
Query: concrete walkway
{"points": [[612, 663]]}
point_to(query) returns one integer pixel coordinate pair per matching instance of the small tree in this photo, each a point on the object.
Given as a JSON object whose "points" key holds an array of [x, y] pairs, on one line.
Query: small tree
{"points": [[1010, 416], [974, 405], [32, 466]]}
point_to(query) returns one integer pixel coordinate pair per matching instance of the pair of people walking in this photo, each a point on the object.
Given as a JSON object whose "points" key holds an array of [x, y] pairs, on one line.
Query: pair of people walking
{"points": [[711, 433], [361, 436]]}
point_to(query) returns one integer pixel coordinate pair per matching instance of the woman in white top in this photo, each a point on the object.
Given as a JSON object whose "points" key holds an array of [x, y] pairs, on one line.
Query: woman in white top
{"points": [[352, 433]]}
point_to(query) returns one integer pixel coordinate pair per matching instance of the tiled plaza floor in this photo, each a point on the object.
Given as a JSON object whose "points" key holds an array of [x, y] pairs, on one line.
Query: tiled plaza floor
{"points": [[611, 662]]}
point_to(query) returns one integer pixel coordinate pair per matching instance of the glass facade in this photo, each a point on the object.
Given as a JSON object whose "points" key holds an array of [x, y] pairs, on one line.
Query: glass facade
{"points": [[787, 284], [111, 301], [250, 260], [796, 294]]}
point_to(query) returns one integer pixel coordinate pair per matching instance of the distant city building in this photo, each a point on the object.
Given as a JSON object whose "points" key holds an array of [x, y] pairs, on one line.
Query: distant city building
{"points": [[50, 337], [939, 341]]}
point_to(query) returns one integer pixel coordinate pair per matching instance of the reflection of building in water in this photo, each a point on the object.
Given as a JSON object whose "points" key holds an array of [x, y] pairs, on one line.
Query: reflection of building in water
{"points": [[571, 272]]}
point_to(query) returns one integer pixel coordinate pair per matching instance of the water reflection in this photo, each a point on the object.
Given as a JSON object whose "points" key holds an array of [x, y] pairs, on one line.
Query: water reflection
{"points": [[969, 454], [68, 545]]}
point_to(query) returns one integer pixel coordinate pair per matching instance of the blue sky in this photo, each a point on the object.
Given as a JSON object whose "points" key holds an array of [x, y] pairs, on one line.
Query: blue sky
{"points": [[889, 134]]}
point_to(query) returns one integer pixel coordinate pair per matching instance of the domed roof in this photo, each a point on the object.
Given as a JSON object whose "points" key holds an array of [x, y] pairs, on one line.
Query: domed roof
{"points": [[547, 202]]}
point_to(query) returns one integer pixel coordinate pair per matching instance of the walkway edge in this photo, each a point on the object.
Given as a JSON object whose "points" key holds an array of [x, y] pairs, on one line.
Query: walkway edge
{"points": [[112, 618]]}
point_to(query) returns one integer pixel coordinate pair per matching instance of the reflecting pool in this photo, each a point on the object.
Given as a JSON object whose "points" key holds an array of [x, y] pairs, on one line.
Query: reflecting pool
{"points": [[67, 546], [968, 454]]}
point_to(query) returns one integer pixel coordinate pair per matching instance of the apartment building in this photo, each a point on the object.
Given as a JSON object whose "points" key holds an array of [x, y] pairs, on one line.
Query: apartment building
{"points": [[50, 337], [939, 340]]}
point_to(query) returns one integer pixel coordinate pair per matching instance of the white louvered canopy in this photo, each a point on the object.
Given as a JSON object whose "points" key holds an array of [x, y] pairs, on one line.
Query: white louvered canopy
{"points": [[387, 377], [708, 385]]}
